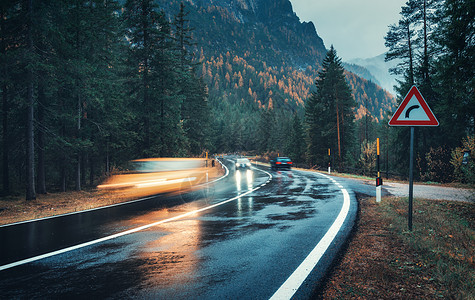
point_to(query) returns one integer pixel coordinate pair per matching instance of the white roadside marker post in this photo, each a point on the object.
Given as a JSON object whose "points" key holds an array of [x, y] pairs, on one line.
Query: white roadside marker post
{"points": [[379, 180]]}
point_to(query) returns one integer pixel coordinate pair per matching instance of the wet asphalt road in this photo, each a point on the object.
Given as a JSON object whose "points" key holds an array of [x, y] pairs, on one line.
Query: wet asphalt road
{"points": [[252, 232]]}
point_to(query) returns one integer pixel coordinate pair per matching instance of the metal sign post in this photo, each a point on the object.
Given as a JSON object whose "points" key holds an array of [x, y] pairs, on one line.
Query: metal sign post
{"points": [[411, 178], [413, 111]]}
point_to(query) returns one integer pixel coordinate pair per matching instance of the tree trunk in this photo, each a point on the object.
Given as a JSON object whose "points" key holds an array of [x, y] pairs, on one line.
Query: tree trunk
{"points": [[145, 79], [6, 142], [84, 159], [338, 133], [30, 149], [63, 173], [62, 158], [411, 66], [5, 109], [41, 140], [78, 172], [91, 171], [78, 98], [107, 160], [426, 55], [79, 155]]}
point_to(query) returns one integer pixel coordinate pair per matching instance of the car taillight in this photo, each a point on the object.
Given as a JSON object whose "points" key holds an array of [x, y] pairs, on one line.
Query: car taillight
{"points": [[278, 163], [289, 162]]}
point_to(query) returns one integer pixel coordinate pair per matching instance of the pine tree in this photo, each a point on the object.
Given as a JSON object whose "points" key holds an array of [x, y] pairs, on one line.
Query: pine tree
{"points": [[152, 80], [265, 128], [30, 149], [183, 40], [410, 42], [401, 40], [296, 141], [79, 49], [455, 78], [8, 46], [104, 115], [329, 112], [193, 91]]}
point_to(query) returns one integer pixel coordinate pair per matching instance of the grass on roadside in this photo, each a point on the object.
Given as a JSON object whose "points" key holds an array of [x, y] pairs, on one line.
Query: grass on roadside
{"points": [[384, 260], [443, 236]]}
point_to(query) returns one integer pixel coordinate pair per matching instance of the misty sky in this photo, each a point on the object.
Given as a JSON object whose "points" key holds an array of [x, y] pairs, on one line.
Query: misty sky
{"points": [[356, 28]]}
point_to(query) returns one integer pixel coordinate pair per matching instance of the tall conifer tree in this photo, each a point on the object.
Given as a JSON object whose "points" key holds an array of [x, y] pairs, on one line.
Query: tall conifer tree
{"points": [[152, 79], [194, 108], [329, 112], [456, 71], [30, 149]]}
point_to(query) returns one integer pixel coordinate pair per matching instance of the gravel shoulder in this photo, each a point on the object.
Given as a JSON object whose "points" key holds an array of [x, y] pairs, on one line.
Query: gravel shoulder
{"points": [[431, 192], [424, 191]]}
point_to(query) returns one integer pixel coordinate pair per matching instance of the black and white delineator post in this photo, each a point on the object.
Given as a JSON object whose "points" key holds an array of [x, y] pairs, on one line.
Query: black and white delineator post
{"points": [[379, 180], [329, 161], [413, 111]]}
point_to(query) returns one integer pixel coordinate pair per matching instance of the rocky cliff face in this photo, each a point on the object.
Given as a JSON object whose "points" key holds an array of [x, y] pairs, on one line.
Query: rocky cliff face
{"points": [[257, 54], [257, 26]]}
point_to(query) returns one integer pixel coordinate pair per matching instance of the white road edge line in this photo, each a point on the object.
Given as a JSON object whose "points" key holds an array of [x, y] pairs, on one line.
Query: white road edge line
{"points": [[293, 283], [107, 206], [46, 255]]}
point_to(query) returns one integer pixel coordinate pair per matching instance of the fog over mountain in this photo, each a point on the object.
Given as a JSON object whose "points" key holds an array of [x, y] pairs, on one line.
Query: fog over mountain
{"points": [[379, 69]]}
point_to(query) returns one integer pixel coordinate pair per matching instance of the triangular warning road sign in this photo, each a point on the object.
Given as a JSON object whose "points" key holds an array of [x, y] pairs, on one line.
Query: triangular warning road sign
{"points": [[413, 111]]}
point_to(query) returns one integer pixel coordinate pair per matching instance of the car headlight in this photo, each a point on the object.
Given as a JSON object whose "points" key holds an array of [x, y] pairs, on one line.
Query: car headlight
{"points": [[248, 164]]}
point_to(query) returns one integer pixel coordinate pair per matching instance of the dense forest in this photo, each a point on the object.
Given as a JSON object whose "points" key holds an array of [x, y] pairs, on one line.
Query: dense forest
{"points": [[434, 41], [261, 62], [88, 85], [94, 84]]}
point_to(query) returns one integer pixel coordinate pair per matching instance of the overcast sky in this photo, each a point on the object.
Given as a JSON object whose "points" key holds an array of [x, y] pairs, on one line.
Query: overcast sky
{"points": [[356, 28]]}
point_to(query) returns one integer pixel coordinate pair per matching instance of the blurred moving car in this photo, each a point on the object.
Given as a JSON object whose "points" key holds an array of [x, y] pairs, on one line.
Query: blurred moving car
{"points": [[152, 176], [242, 164], [280, 163]]}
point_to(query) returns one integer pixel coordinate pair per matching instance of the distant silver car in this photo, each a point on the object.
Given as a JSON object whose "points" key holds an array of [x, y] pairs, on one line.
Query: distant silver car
{"points": [[242, 164]]}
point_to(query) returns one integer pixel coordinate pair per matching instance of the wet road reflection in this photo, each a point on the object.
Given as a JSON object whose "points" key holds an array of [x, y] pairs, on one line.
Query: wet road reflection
{"points": [[171, 260], [243, 249], [244, 180], [245, 206]]}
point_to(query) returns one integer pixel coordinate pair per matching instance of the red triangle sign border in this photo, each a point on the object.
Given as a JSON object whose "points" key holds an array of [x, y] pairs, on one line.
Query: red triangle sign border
{"points": [[413, 92]]}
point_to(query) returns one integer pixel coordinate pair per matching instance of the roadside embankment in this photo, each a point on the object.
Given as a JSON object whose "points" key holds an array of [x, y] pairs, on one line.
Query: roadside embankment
{"points": [[386, 261]]}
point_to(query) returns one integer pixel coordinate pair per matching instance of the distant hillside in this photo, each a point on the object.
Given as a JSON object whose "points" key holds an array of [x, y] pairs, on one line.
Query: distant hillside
{"points": [[379, 70], [257, 53], [361, 72]]}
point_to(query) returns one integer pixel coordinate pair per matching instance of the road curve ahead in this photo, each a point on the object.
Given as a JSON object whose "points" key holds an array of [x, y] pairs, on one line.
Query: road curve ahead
{"points": [[256, 234]]}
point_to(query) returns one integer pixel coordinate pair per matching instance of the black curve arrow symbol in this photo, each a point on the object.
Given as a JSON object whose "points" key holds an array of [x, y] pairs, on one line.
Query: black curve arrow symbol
{"points": [[411, 108]]}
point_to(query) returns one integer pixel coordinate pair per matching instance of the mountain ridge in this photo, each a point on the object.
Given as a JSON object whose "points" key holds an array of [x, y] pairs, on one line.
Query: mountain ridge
{"points": [[259, 53]]}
